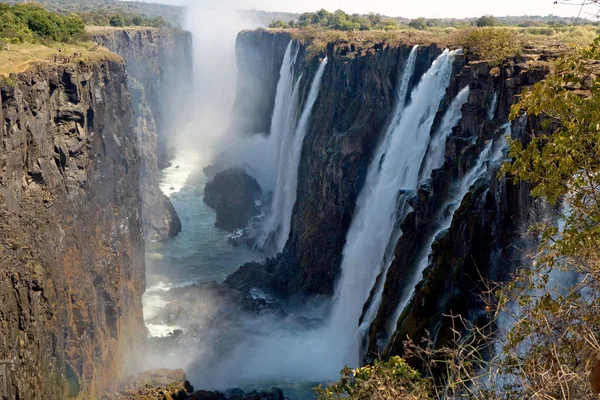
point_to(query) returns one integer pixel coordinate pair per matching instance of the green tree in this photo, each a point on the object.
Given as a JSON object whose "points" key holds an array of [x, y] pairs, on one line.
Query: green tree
{"points": [[117, 20], [487, 20], [419, 23], [279, 24], [137, 20]]}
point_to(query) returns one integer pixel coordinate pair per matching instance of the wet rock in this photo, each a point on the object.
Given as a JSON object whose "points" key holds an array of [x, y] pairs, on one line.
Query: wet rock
{"points": [[233, 195]]}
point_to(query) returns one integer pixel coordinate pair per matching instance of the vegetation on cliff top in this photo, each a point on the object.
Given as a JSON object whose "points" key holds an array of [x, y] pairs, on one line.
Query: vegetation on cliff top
{"points": [[32, 23], [94, 8], [339, 20], [551, 333]]}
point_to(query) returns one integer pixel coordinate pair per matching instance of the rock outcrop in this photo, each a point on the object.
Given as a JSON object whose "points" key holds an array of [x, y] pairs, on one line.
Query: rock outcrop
{"points": [[233, 195], [71, 244], [159, 67], [165, 384]]}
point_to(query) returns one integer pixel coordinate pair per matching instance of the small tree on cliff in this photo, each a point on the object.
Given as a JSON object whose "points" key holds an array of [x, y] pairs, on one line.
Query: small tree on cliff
{"points": [[117, 20]]}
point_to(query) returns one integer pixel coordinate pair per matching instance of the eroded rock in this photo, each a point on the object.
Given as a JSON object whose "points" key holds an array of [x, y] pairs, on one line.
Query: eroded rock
{"points": [[233, 195]]}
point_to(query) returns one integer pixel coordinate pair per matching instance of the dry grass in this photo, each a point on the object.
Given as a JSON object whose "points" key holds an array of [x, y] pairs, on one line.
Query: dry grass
{"points": [[554, 39], [22, 56]]}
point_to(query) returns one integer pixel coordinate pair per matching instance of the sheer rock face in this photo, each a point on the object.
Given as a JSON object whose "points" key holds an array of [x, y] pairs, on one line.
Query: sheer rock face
{"points": [[259, 58], [159, 67], [71, 244], [233, 195], [349, 119]]}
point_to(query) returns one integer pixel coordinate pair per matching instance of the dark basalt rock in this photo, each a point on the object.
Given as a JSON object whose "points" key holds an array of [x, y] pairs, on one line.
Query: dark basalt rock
{"points": [[71, 248], [233, 195], [159, 65]]}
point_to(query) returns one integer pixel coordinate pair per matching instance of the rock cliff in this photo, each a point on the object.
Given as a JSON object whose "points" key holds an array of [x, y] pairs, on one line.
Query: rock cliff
{"points": [[159, 68], [71, 244], [349, 118], [259, 58]]}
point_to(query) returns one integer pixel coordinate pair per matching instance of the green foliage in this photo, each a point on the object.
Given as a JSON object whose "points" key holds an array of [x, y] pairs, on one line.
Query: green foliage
{"points": [[487, 20], [32, 23], [150, 12], [393, 379], [279, 24], [496, 45], [341, 21], [419, 23], [117, 20], [564, 164]]}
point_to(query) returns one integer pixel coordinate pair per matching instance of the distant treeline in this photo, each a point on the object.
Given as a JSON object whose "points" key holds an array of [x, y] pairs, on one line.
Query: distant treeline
{"points": [[338, 20], [91, 10], [106, 18], [32, 23]]}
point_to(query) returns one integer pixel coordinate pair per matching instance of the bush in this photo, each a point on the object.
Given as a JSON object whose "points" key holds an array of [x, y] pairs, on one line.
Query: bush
{"points": [[419, 23], [393, 379], [495, 45], [117, 20]]}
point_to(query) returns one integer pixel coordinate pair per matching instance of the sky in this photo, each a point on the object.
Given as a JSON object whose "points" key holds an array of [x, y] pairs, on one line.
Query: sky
{"points": [[407, 8]]}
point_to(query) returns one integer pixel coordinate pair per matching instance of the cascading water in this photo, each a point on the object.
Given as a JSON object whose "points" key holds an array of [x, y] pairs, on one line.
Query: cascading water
{"points": [[284, 198], [372, 226], [433, 159], [281, 136], [491, 156]]}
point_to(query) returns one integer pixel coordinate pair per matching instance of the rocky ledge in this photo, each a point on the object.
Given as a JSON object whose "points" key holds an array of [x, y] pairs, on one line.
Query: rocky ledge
{"points": [[233, 195], [166, 384]]}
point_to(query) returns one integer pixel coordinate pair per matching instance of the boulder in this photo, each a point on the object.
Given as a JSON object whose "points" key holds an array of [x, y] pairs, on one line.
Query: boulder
{"points": [[233, 195]]}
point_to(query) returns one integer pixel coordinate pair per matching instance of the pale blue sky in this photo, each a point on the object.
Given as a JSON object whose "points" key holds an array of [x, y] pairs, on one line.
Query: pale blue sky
{"points": [[404, 8]]}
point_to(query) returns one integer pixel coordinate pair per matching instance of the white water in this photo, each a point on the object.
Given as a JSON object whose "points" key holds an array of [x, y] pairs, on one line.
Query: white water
{"points": [[373, 223], [284, 198], [434, 159], [281, 137], [437, 147], [489, 157], [199, 253]]}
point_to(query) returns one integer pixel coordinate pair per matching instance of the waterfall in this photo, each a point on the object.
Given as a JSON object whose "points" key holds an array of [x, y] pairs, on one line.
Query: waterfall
{"points": [[434, 158], [437, 147], [373, 223], [287, 175], [492, 155], [493, 106], [280, 139]]}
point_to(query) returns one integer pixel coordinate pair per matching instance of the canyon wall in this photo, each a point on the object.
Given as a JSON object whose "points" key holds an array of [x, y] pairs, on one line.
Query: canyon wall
{"points": [[160, 71], [349, 119], [71, 244]]}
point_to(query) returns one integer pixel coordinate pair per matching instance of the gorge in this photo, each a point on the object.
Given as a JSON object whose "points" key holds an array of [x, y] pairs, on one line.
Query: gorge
{"points": [[364, 174]]}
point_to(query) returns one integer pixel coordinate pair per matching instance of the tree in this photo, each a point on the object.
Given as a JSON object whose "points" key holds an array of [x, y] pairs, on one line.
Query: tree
{"points": [[137, 20], [419, 23], [487, 20], [117, 20]]}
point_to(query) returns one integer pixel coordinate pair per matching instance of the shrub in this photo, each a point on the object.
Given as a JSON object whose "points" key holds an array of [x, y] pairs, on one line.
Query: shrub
{"points": [[117, 20], [393, 379], [496, 45]]}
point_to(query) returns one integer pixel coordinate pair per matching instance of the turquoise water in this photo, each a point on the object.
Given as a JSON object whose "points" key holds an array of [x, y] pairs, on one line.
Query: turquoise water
{"points": [[201, 253]]}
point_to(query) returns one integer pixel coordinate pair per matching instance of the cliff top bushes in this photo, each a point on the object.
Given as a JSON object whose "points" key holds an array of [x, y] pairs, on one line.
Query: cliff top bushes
{"points": [[491, 44], [340, 21], [33, 24]]}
